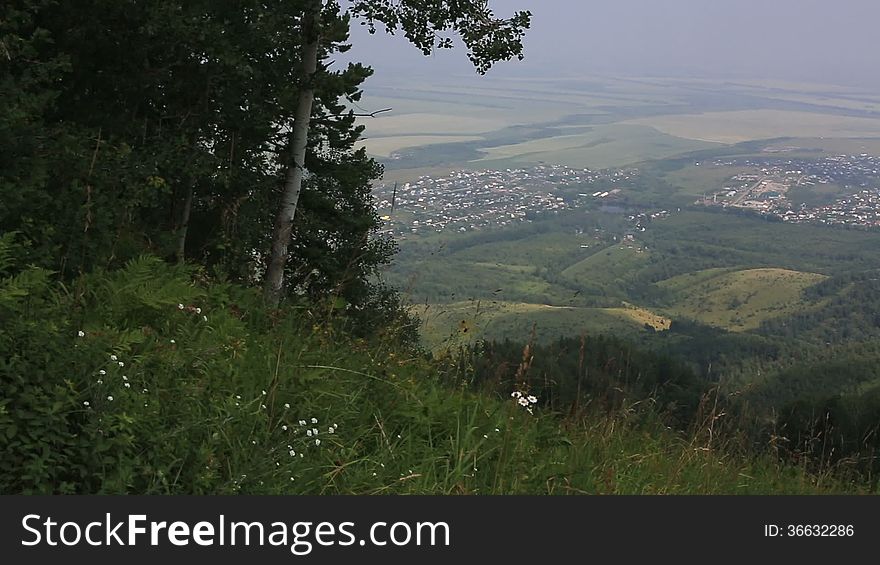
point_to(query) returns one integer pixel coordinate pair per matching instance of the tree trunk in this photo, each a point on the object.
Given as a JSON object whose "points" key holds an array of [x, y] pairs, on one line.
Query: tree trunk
{"points": [[274, 280], [184, 225]]}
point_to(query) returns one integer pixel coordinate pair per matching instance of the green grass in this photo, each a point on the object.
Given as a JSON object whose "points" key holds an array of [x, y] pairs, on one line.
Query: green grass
{"points": [[228, 404], [738, 300], [450, 325]]}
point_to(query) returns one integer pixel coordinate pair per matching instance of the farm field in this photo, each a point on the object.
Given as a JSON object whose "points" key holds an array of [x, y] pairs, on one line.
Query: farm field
{"points": [[745, 125], [386, 146], [504, 122], [603, 147]]}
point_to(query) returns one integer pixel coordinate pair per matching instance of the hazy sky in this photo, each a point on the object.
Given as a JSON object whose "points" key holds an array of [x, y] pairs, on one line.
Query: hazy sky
{"points": [[829, 41]]}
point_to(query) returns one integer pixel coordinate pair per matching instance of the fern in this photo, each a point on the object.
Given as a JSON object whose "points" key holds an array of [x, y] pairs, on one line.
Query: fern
{"points": [[30, 282], [155, 284], [7, 247]]}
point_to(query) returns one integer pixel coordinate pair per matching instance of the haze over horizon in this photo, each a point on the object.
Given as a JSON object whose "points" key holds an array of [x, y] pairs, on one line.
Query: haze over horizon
{"points": [[811, 41]]}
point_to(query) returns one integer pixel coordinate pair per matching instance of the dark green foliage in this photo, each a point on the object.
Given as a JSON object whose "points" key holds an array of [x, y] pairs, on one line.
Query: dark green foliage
{"points": [[171, 386], [600, 371], [849, 311], [835, 430], [161, 127]]}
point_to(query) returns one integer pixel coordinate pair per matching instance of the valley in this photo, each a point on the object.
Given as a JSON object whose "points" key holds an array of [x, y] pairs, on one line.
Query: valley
{"points": [[727, 249]]}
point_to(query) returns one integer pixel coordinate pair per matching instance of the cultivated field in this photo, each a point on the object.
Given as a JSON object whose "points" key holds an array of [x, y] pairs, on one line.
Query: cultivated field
{"points": [[604, 146], [745, 125], [386, 146], [632, 120]]}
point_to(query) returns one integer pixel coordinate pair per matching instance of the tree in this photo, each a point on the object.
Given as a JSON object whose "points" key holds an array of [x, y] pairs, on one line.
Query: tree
{"points": [[424, 23], [122, 119]]}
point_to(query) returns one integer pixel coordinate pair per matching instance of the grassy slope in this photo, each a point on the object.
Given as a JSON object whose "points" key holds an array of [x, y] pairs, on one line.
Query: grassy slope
{"points": [[228, 399], [451, 324], [738, 300]]}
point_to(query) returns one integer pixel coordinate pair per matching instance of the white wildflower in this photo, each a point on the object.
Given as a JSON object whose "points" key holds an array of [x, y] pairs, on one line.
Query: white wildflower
{"points": [[317, 442], [81, 333], [284, 427], [264, 393], [121, 364], [309, 433], [331, 430], [102, 372], [110, 399], [198, 310], [302, 422], [205, 318], [113, 358], [292, 453], [124, 378], [86, 403], [533, 399], [180, 306], [173, 342], [286, 406], [127, 385], [523, 402], [314, 420]]}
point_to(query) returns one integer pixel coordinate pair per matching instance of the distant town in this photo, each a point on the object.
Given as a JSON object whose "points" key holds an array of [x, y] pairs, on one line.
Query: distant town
{"points": [[835, 190], [776, 186], [470, 200]]}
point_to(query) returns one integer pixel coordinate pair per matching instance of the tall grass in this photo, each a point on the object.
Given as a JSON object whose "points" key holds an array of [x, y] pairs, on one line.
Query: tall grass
{"points": [[144, 381]]}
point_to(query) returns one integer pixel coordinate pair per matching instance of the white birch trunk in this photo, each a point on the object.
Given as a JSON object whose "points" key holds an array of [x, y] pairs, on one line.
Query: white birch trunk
{"points": [[273, 283]]}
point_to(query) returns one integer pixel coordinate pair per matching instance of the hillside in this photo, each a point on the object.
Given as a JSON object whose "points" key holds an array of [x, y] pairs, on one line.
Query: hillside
{"points": [[152, 383], [739, 300], [736, 273]]}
